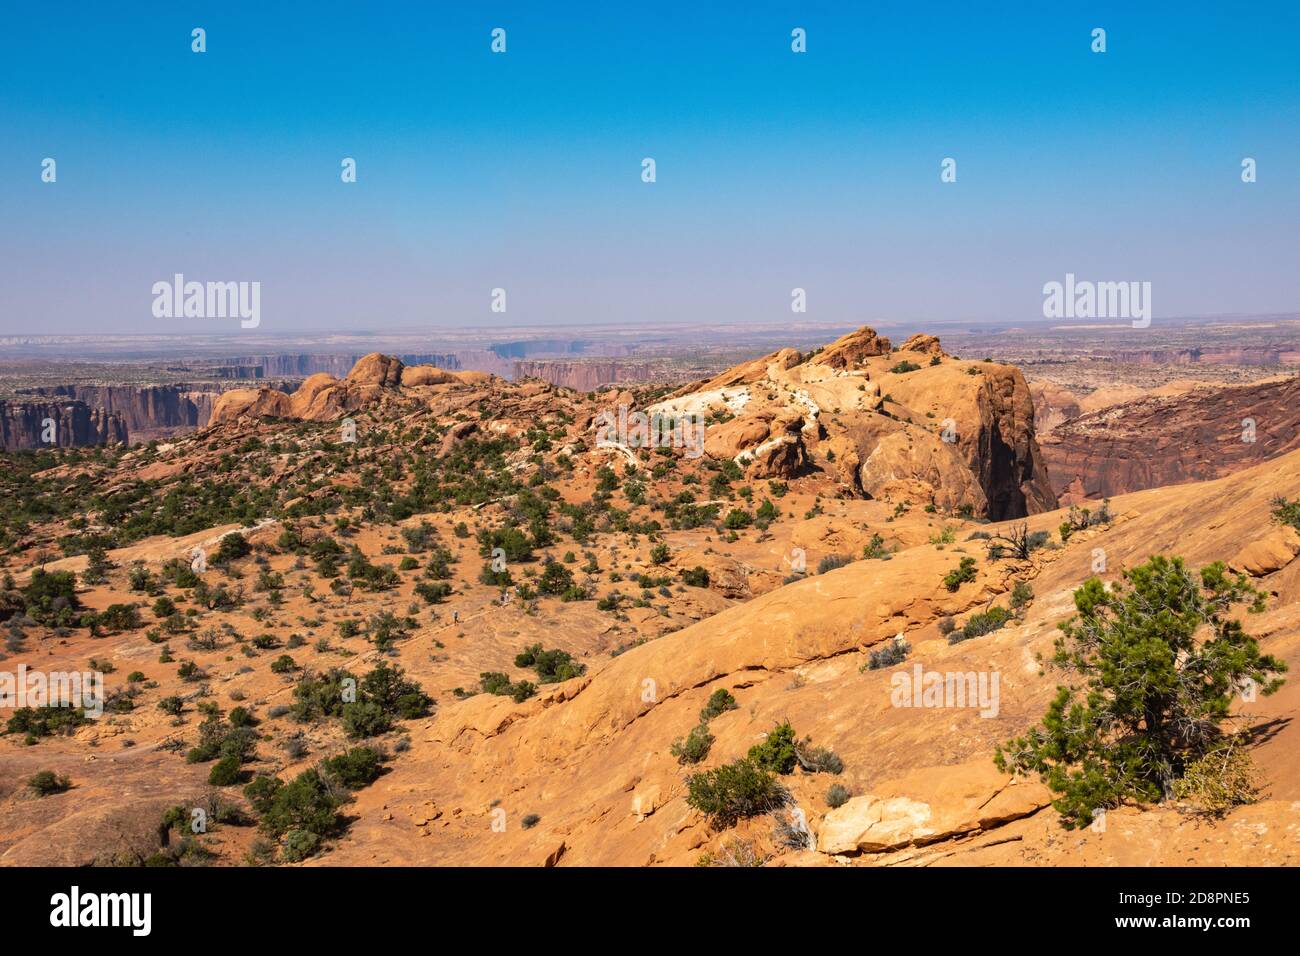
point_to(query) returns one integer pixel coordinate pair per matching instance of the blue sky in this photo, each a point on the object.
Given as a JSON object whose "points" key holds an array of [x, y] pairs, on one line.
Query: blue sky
{"points": [[522, 170]]}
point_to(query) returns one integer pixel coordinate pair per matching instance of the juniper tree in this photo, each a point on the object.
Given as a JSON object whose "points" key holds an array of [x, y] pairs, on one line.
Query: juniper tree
{"points": [[1158, 660]]}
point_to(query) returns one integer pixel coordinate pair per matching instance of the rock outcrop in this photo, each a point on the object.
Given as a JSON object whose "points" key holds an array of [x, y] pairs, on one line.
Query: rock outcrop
{"points": [[323, 397], [909, 425]]}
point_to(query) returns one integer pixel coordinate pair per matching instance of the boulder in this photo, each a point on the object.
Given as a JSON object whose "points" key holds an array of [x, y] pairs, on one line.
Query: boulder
{"points": [[1270, 553]]}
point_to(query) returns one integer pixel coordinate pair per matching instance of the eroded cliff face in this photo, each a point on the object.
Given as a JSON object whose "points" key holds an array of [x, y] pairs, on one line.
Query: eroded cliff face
{"points": [[73, 424], [148, 411], [1170, 440]]}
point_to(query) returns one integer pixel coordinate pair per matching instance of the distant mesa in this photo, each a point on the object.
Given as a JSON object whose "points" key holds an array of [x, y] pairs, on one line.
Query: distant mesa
{"points": [[323, 397]]}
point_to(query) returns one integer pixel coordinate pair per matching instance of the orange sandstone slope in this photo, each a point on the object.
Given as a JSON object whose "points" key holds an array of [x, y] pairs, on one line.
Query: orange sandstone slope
{"points": [[591, 757]]}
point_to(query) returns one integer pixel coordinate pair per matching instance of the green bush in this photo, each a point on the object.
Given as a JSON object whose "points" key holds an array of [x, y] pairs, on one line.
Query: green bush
{"points": [[224, 772], [985, 622], [233, 547], [355, 768], [694, 747], [696, 577], [307, 803], [551, 666], [45, 782], [45, 721], [960, 574], [434, 592], [300, 844], [777, 751], [363, 719], [719, 702], [734, 791]]}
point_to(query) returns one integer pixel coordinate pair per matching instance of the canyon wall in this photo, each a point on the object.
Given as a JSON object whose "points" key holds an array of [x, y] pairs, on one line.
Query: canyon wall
{"points": [[1168, 440], [24, 425], [135, 413], [588, 376]]}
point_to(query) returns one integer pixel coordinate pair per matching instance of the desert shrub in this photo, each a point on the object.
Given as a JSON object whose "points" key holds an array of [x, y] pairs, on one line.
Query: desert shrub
{"points": [[891, 653], [876, 549], [45, 721], [45, 782], [791, 832], [50, 598], [363, 719], [529, 820], [119, 617], [1286, 512], [1018, 541], [300, 844], [960, 575], [355, 768], [1160, 660], [817, 759], [737, 519], [551, 666], [733, 791], [947, 625], [904, 367], [490, 576], [777, 751], [224, 772], [694, 747], [833, 561], [308, 803], [511, 540], [719, 702], [365, 706], [660, 554], [1021, 595], [1225, 777], [977, 625], [233, 547], [696, 577], [218, 739], [418, 539], [737, 853], [837, 795], [433, 592]]}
